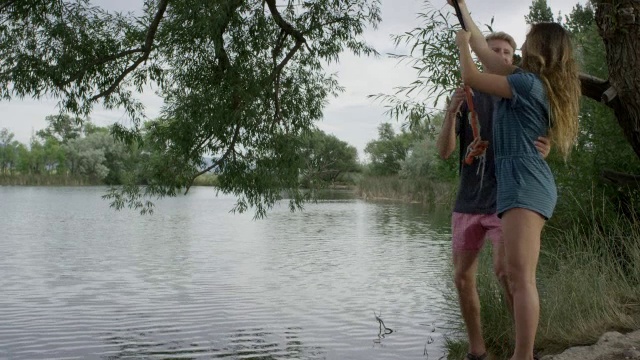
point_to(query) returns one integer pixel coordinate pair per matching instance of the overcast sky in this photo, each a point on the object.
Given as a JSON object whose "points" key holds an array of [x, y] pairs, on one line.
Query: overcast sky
{"points": [[352, 117]]}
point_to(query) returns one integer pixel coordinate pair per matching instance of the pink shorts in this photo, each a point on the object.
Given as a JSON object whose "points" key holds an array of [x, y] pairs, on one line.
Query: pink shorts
{"points": [[470, 231]]}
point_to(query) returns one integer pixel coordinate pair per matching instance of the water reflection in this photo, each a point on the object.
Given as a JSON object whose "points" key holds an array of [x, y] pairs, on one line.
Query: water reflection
{"points": [[194, 281], [250, 344]]}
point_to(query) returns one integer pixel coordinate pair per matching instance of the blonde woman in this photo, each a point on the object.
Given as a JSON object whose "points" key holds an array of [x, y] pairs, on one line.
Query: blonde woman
{"points": [[539, 98]]}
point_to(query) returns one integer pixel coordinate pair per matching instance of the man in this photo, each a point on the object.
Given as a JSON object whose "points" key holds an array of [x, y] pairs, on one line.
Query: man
{"points": [[474, 216]]}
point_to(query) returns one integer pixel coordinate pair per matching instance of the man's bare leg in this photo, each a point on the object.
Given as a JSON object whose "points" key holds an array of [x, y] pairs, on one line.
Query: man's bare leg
{"points": [[465, 265]]}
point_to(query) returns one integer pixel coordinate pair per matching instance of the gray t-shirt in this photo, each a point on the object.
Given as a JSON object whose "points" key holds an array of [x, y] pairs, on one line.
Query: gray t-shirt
{"points": [[477, 190]]}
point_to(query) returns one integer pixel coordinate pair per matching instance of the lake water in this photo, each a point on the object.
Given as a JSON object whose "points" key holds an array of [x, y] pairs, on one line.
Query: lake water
{"points": [[79, 280]]}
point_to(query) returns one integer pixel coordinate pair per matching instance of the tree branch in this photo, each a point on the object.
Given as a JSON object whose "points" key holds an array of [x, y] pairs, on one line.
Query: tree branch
{"points": [[286, 29], [621, 179], [146, 50], [99, 62], [282, 23], [289, 29], [221, 53], [277, 50], [218, 162], [597, 89]]}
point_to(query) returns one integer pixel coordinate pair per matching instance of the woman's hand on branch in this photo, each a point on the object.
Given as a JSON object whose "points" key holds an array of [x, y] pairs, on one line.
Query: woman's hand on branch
{"points": [[462, 38]]}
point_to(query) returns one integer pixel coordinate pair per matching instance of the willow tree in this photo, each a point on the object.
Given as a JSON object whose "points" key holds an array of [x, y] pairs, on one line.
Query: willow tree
{"points": [[619, 27], [241, 81]]}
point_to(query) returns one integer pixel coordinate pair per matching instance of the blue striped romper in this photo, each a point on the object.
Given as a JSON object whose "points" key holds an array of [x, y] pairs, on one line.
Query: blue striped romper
{"points": [[523, 176]]}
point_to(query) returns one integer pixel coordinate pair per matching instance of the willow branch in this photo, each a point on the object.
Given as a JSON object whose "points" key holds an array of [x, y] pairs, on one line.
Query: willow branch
{"points": [[286, 29], [146, 50], [218, 162], [5, 4], [290, 30]]}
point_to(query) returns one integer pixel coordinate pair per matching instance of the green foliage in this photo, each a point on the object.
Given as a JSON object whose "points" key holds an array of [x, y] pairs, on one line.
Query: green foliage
{"points": [[539, 12], [326, 158], [88, 156], [433, 194], [423, 160], [241, 81], [387, 153], [434, 54], [93, 156], [61, 128], [601, 144], [8, 151], [87, 152]]}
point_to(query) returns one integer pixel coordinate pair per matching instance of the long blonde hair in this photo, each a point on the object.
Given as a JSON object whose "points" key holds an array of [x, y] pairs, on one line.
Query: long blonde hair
{"points": [[548, 53]]}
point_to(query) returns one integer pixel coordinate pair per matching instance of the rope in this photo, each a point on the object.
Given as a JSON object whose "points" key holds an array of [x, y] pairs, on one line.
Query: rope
{"points": [[478, 147]]}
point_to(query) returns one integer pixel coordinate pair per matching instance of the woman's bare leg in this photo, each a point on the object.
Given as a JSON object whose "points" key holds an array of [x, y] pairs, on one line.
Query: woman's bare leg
{"points": [[521, 232]]}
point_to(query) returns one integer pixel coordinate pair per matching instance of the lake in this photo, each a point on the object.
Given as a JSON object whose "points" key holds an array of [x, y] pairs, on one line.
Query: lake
{"points": [[79, 280]]}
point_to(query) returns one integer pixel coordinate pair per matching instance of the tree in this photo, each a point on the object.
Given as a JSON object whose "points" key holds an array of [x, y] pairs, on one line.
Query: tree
{"points": [[7, 151], [241, 80], [617, 25], [61, 128], [326, 158], [389, 151], [539, 12], [423, 160], [87, 155]]}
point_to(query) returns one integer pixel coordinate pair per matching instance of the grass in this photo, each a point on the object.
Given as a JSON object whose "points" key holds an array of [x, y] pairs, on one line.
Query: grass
{"points": [[206, 180], [420, 190], [588, 281]]}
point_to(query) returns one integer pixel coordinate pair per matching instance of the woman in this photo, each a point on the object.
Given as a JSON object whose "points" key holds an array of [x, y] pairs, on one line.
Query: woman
{"points": [[539, 98]]}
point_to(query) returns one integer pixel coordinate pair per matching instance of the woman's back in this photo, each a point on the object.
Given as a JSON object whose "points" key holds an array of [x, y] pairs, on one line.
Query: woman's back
{"points": [[519, 121], [524, 178]]}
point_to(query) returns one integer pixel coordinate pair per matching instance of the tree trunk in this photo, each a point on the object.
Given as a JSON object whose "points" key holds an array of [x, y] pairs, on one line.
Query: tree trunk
{"points": [[619, 26]]}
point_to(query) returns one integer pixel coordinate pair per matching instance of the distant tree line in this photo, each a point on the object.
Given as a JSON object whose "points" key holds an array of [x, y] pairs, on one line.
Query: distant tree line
{"points": [[73, 148]]}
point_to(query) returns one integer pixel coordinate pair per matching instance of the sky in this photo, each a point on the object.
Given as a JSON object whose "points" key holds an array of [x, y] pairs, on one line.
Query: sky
{"points": [[352, 116]]}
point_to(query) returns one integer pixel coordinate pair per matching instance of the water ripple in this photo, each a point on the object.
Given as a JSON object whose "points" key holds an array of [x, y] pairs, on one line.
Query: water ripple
{"points": [[80, 281]]}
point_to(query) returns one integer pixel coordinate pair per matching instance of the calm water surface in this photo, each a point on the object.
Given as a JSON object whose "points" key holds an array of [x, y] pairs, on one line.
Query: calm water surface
{"points": [[81, 281]]}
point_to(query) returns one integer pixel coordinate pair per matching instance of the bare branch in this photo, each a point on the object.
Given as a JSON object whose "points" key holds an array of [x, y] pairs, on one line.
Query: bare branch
{"points": [[290, 54], [621, 179], [597, 89], [609, 95]]}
